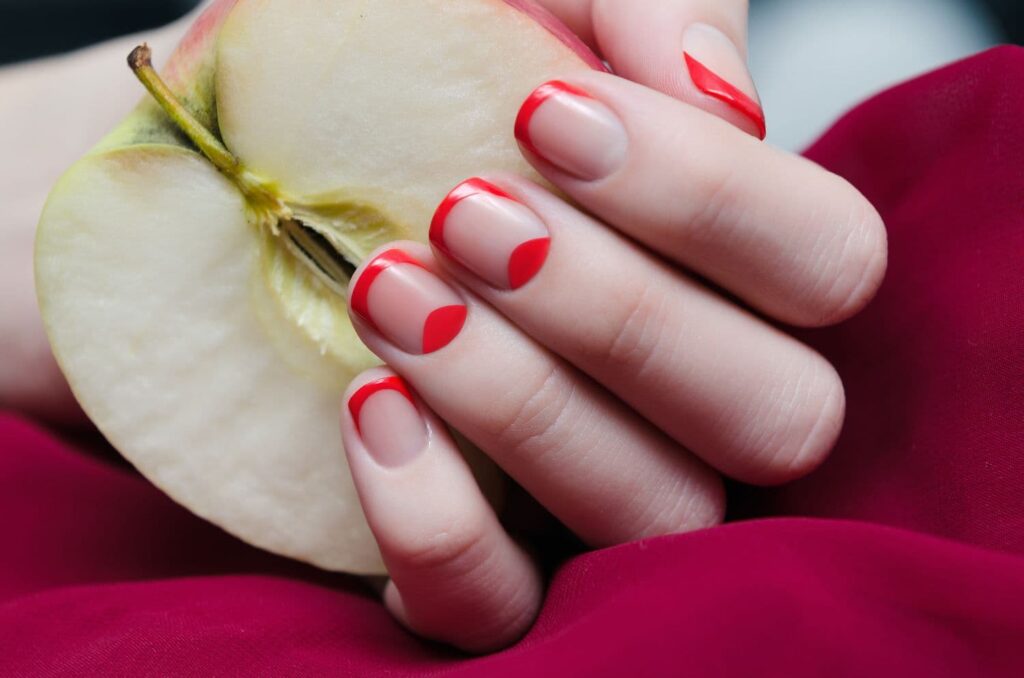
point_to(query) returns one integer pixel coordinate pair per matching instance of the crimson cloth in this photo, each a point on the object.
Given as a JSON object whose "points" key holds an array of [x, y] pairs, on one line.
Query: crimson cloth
{"points": [[903, 555]]}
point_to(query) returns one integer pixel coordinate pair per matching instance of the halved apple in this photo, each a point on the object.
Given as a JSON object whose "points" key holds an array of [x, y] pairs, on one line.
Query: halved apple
{"points": [[191, 269]]}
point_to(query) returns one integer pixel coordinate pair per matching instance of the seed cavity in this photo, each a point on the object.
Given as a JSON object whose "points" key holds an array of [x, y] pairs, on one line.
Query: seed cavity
{"points": [[329, 235], [316, 253]]}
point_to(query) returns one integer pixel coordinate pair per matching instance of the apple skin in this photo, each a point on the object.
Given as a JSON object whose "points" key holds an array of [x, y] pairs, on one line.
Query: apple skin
{"points": [[198, 39], [558, 29], [195, 49]]}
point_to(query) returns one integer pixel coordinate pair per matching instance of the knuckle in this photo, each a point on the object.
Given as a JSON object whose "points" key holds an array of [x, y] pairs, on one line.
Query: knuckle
{"points": [[532, 413], [629, 340], [713, 218], [456, 550]]}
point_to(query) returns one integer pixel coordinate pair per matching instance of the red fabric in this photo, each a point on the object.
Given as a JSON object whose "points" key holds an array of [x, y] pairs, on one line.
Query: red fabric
{"points": [[101, 574]]}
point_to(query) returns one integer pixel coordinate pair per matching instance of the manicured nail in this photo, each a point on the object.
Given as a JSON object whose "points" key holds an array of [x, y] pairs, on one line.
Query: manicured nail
{"points": [[407, 304], [717, 69], [388, 422], [572, 130], [491, 233]]}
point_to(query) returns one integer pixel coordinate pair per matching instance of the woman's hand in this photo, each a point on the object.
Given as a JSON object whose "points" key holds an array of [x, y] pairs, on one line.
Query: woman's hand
{"points": [[51, 112], [575, 346]]}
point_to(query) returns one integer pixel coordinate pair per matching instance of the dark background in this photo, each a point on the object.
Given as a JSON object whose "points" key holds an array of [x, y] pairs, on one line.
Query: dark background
{"points": [[31, 28], [1010, 14]]}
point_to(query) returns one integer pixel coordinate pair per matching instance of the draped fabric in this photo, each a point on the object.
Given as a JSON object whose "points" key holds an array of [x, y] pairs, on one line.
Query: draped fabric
{"points": [[903, 555]]}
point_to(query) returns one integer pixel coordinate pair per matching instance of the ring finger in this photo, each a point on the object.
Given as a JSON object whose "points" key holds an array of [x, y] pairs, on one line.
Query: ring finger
{"points": [[601, 469]]}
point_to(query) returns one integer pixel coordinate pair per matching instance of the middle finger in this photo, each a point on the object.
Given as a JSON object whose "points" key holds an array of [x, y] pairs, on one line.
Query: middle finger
{"points": [[750, 400]]}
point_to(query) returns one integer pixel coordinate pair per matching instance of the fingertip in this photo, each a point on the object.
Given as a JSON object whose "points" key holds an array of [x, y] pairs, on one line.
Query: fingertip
{"points": [[854, 272], [695, 52], [817, 416], [868, 254], [563, 128], [365, 377], [354, 397], [374, 264], [825, 432], [393, 602], [718, 73]]}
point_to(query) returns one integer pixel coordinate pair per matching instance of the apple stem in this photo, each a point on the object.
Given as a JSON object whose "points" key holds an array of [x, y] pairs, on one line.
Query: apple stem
{"points": [[140, 61], [269, 208]]}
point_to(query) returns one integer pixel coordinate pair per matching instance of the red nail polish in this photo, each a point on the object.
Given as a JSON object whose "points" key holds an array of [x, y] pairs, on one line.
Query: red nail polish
{"points": [[442, 326], [533, 102], [494, 235], [359, 300], [526, 260], [359, 398], [413, 307], [714, 86], [464, 190]]}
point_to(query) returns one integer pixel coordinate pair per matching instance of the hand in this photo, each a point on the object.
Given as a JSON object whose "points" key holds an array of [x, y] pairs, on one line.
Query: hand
{"points": [[51, 112], [574, 346]]}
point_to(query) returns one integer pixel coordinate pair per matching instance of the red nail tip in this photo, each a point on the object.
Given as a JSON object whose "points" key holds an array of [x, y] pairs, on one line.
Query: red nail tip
{"points": [[714, 86], [359, 299], [464, 190], [359, 398], [526, 260], [534, 101], [442, 326]]}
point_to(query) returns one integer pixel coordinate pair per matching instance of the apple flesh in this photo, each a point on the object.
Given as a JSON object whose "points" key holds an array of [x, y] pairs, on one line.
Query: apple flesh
{"points": [[192, 286]]}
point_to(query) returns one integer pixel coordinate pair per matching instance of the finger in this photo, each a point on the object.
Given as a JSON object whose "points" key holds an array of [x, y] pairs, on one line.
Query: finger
{"points": [[456, 576], [787, 236], [748, 399], [597, 466], [692, 50]]}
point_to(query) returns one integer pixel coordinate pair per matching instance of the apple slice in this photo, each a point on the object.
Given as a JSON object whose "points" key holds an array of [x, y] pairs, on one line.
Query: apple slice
{"points": [[191, 268]]}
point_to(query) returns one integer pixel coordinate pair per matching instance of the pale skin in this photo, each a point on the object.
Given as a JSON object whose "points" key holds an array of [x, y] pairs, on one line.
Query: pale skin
{"points": [[614, 385]]}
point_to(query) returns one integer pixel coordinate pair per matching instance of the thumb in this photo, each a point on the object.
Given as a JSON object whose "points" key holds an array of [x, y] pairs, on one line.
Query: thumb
{"points": [[693, 50]]}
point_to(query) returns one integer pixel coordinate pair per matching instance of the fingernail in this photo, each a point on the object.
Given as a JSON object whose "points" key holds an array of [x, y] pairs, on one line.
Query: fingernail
{"points": [[407, 304], [570, 129], [388, 422], [491, 233], [717, 69]]}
